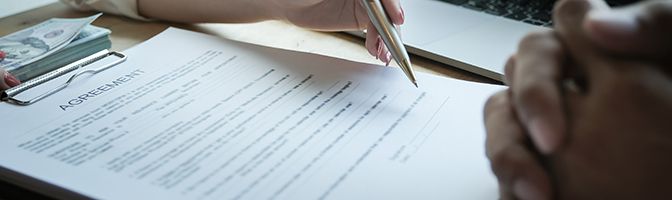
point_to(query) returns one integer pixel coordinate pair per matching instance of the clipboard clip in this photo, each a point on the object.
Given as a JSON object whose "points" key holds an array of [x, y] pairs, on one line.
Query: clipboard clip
{"points": [[9, 94]]}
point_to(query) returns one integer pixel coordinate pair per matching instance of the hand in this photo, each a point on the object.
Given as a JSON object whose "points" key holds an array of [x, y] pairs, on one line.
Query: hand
{"points": [[536, 88], [617, 116], [8, 80], [325, 15], [636, 31], [337, 15], [508, 146]]}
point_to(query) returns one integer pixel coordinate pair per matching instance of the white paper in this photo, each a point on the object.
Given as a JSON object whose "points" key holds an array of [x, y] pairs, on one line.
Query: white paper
{"points": [[191, 116]]}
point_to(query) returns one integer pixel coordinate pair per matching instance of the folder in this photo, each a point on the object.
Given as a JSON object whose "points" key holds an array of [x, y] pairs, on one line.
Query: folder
{"points": [[9, 95]]}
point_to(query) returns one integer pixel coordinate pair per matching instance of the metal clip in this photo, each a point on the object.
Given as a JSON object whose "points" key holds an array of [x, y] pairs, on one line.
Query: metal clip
{"points": [[9, 94]]}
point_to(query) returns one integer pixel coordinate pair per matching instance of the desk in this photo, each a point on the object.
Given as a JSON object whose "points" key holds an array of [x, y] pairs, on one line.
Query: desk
{"points": [[127, 32]]}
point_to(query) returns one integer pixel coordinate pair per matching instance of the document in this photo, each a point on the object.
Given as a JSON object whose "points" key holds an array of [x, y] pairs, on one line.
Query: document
{"points": [[192, 116]]}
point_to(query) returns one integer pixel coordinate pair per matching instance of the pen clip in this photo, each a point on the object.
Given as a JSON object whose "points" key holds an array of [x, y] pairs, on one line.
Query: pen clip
{"points": [[9, 94]]}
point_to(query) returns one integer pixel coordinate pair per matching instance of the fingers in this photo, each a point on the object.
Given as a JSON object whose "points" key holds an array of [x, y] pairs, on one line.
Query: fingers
{"points": [[374, 44], [519, 172], [394, 11], [568, 17], [8, 80], [371, 43], [534, 77], [641, 29], [509, 68]]}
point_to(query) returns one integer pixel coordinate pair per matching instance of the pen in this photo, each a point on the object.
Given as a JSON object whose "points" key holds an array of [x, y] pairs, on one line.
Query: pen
{"points": [[390, 37]]}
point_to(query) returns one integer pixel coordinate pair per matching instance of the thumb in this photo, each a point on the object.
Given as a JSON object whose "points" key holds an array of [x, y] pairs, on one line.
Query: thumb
{"points": [[642, 30]]}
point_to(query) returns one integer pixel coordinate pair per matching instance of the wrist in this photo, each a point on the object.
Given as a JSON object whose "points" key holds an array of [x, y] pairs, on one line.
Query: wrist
{"points": [[274, 9], [294, 11]]}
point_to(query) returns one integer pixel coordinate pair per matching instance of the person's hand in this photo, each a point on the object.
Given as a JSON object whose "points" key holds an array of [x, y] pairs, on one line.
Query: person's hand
{"points": [[8, 80], [508, 146], [639, 31], [634, 31], [338, 15], [323, 15], [618, 115]]}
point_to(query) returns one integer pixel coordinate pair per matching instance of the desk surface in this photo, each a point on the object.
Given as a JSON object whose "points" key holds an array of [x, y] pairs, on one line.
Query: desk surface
{"points": [[127, 32]]}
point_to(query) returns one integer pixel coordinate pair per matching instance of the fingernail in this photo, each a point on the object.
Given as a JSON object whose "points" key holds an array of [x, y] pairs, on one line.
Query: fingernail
{"points": [[383, 55], [403, 16], [615, 22], [524, 189], [380, 49], [11, 80], [542, 135], [388, 57]]}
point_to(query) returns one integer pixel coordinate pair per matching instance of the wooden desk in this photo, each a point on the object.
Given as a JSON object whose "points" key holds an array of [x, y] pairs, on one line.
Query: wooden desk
{"points": [[127, 32]]}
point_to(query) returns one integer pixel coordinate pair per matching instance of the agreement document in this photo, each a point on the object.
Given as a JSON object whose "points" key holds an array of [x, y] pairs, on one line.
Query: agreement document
{"points": [[193, 116]]}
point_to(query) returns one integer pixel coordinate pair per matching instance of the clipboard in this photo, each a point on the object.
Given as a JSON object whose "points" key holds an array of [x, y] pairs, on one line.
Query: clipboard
{"points": [[9, 95]]}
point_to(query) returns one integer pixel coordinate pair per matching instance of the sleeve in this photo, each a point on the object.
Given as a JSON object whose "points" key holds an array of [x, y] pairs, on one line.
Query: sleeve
{"points": [[128, 8]]}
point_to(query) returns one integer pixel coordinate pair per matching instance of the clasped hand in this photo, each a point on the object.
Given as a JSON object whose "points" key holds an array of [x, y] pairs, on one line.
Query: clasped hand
{"points": [[587, 112]]}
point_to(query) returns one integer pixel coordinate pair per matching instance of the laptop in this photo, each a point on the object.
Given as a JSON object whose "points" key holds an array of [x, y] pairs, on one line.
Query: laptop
{"points": [[473, 35]]}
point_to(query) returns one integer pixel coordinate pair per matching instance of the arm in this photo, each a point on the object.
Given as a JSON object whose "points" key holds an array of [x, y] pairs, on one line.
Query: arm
{"points": [[221, 11], [324, 15]]}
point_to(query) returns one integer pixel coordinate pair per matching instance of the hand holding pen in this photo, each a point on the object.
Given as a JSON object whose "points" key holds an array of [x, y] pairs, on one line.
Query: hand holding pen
{"points": [[324, 15], [374, 42], [390, 36]]}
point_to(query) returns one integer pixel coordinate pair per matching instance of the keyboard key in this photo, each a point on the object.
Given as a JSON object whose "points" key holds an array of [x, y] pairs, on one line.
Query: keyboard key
{"points": [[534, 22], [497, 12], [482, 4], [536, 12], [542, 16], [472, 7], [496, 8], [456, 2], [517, 16]]}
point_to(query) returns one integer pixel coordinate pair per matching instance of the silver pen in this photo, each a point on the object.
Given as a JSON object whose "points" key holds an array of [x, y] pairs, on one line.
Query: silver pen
{"points": [[390, 36]]}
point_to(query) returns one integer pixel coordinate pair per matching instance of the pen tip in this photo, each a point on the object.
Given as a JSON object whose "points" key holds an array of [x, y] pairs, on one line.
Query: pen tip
{"points": [[415, 83]]}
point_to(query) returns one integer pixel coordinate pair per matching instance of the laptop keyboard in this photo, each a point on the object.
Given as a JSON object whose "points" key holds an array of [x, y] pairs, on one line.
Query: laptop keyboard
{"points": [[535, 12]]}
